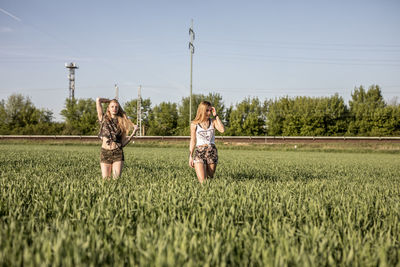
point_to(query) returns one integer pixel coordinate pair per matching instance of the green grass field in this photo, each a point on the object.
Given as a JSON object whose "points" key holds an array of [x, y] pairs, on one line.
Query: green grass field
{"points": [[264, 208]]}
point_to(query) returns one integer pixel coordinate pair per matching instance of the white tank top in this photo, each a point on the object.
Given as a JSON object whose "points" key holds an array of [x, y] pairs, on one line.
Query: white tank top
{"points": [[205, 137]]}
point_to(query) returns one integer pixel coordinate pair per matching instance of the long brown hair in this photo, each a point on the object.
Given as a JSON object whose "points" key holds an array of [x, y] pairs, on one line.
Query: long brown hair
{"points": [[123, 122], [201, 112]]}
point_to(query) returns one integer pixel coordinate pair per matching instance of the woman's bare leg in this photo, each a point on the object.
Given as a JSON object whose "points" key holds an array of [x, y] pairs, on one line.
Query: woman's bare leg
{"points": [[200, 171], [105, 170], [211, 169], [117, 169]]}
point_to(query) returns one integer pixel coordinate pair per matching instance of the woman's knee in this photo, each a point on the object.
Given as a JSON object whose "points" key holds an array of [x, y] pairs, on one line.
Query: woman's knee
{"points": [[211, 170], [117, 168], [105, 169]]}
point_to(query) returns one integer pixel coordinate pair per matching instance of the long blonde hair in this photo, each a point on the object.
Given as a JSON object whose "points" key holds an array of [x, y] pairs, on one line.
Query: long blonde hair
{"points": [[124, 123], [201, 112]]}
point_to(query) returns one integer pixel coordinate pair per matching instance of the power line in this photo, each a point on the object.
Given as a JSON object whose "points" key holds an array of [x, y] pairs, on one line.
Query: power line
{"points": [[212, 88], [323, 61], [49, 89], [303, 44]]}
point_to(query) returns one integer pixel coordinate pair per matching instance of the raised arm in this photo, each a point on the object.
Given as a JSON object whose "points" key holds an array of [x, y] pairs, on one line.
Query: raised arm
{"points": [[127, 139], [192, 143], [99, 108], [217, 122]]}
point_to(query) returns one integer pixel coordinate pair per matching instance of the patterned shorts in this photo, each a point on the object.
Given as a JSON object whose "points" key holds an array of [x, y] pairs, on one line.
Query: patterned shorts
{"points": [[206, 155], [111, 156]]}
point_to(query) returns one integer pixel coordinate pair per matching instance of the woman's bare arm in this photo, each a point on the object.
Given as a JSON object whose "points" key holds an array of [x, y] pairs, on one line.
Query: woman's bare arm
{"points": [[217, 122], [192, 143], [127, 139], [99, 108]]}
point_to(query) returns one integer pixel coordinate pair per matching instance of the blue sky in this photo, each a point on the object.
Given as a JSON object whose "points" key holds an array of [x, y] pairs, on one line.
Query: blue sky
{"points": [[247, 48]]}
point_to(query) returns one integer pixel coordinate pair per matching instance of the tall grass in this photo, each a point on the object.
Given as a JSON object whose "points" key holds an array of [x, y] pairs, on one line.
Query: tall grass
{"points": [[263, 208]]}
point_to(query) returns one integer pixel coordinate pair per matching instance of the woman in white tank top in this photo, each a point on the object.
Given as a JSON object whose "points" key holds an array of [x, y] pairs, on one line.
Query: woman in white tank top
{"points": [[202, 141]]}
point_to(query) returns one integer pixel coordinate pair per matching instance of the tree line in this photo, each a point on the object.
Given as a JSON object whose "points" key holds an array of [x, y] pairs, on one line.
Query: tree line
{"points": [[366, 115]]}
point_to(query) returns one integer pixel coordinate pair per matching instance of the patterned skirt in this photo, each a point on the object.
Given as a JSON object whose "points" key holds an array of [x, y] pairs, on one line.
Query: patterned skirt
{"points": [[206, 154], [111, 156]]}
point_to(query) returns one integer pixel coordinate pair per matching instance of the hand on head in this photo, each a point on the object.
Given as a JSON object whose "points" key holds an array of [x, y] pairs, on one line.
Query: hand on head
{"points": [[214, 112]]}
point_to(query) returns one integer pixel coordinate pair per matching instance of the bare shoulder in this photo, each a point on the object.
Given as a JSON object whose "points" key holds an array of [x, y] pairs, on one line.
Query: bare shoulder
{"points": [[193, 128]]}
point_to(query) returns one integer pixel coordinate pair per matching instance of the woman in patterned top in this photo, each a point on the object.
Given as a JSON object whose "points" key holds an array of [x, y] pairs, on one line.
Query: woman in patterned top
{"points": [[114, 130], [202, 137]]}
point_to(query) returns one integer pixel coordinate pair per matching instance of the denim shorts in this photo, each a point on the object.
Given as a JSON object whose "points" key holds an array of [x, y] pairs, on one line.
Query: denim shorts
{"points": [[112, 155], [206, 154]]}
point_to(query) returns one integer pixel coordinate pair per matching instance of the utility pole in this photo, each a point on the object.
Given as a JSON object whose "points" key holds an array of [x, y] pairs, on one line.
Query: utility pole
{"points": [[71, 66], [191, 47], [116, 91], [139, 110]]}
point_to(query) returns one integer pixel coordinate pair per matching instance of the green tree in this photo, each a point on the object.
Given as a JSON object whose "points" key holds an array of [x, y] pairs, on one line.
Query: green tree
{"points": [[336, 115], [247, 118], [80, 117], [275, 115], [3, 118], [227, 116], [18, 115], [163, 120], [363, 106], [306, 116], [321, 116], [386, 121]]}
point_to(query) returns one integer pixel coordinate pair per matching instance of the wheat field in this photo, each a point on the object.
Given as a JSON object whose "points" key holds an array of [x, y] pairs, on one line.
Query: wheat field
{"points": [[264, 208]]}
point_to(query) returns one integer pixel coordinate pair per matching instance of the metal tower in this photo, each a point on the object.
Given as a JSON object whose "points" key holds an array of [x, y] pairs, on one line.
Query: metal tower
{"points": [[116, 91], [139, 110], [191, 47], [71, 66]]}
